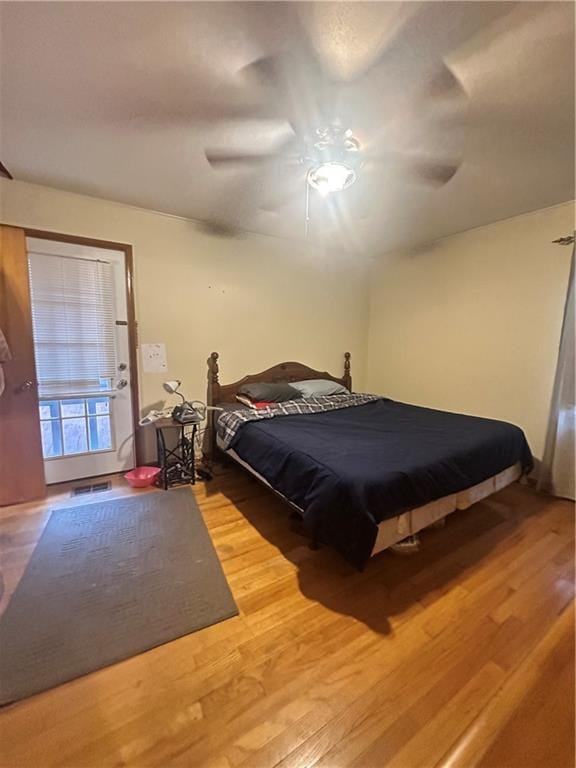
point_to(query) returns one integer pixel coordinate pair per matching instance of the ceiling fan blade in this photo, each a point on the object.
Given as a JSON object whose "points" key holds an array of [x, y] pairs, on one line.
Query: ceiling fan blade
{"points": [[298, 85], [468, 21], [196, 95], [287, 153], [433, 172], [265, 71], [212, 115], [223, 159], [228, 159], [268, 73], [429, 170], [422, 82], [443, 85]]}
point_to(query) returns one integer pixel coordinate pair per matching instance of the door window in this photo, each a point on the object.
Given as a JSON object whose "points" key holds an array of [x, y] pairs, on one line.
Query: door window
{"points": [[76, 425]]}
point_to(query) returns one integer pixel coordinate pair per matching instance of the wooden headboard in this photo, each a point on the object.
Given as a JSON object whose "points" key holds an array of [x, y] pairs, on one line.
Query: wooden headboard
{"points": [[283, 372]]}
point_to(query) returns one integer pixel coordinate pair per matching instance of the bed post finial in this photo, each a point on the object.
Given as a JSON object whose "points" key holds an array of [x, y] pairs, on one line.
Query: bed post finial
{"points": [[213, 367], [212, 397], [347, 376]]}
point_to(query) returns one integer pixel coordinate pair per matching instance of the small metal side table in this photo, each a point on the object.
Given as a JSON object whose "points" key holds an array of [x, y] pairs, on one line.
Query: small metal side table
{"points": [[175, 449]]}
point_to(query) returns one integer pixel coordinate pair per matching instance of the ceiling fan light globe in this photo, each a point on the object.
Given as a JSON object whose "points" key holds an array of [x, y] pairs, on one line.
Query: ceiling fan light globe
{"points": [[331, 177]]}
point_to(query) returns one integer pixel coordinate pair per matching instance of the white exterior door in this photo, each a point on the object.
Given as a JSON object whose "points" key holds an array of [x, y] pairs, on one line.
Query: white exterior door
{"points": [[81, 342]]}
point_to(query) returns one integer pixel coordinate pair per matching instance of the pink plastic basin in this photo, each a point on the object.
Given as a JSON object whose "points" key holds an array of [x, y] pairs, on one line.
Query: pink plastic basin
{"points": [[141, 477]]}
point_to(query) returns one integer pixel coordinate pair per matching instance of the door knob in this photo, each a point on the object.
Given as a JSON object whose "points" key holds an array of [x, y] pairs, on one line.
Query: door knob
{"points": [[25, 386], [121, 384]]}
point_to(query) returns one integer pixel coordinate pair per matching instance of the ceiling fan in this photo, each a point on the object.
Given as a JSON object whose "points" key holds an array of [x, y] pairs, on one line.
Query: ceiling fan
{"points": [[332, 160], [321, 99], [323, 154]]}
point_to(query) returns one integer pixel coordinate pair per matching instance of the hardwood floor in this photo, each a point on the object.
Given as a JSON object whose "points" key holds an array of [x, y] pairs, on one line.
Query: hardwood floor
{"points": [[459, 655]]}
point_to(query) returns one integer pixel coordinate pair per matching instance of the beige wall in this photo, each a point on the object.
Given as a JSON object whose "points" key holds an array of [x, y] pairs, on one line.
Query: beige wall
{"points": [[256, 300], [472, 322]]}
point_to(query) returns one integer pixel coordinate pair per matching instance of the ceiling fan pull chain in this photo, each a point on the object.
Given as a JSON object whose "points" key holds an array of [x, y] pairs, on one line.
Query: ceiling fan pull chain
{"points": [[307, 214]]}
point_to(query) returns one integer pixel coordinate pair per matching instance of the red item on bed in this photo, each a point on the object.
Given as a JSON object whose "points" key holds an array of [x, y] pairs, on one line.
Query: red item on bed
{"points": [[245, 400]]}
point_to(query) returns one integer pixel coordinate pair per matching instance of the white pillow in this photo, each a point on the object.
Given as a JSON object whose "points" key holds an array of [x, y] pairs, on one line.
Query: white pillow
{"points": [[313, 387]]}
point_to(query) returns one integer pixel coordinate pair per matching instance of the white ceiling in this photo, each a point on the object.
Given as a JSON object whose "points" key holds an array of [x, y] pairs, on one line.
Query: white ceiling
{"points": [[120, 100]]}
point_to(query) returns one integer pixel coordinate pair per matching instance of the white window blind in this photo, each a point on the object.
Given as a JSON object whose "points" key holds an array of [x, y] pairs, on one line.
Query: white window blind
{"points": [[73, 316]]}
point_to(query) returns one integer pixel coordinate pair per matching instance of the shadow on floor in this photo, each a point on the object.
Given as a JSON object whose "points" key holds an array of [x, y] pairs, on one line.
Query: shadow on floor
{"points": [[391, 584]]}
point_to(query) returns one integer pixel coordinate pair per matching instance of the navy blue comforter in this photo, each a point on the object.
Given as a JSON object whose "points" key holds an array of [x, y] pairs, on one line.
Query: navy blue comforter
{"points": [[350, 469]]}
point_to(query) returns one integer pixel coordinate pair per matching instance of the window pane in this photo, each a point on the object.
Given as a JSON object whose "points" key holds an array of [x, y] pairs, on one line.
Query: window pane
{"points": [[98, 405], [75, 438], [100, 433], [49, 409], [105, 384], [51, 438], [72, 408]]}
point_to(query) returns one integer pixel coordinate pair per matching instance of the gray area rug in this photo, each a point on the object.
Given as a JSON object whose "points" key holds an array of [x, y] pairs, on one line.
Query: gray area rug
{"points": [[106, 581]]}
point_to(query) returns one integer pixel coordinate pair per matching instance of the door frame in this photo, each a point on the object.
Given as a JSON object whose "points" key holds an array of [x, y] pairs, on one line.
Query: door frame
{"points": [[132, 323]]}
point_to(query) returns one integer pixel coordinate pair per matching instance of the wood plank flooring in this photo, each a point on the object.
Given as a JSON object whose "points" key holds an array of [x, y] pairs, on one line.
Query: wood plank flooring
{"points": [[459, 655]]}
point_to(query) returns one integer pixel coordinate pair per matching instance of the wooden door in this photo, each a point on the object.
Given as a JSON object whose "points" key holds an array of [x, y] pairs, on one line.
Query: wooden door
{"points": [[21, 461]]}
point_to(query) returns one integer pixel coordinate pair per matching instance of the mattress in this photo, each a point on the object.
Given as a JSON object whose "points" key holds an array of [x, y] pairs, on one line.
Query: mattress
{"points": [[352, 465], [396, 529]]}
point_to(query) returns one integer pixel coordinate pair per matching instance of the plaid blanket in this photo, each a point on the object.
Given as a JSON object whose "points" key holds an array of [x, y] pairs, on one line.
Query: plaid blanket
{"points": [[230, 422]]}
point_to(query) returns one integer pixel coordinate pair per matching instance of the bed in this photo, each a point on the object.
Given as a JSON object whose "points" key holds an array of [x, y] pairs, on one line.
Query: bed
{"points": [[364, 472]]}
